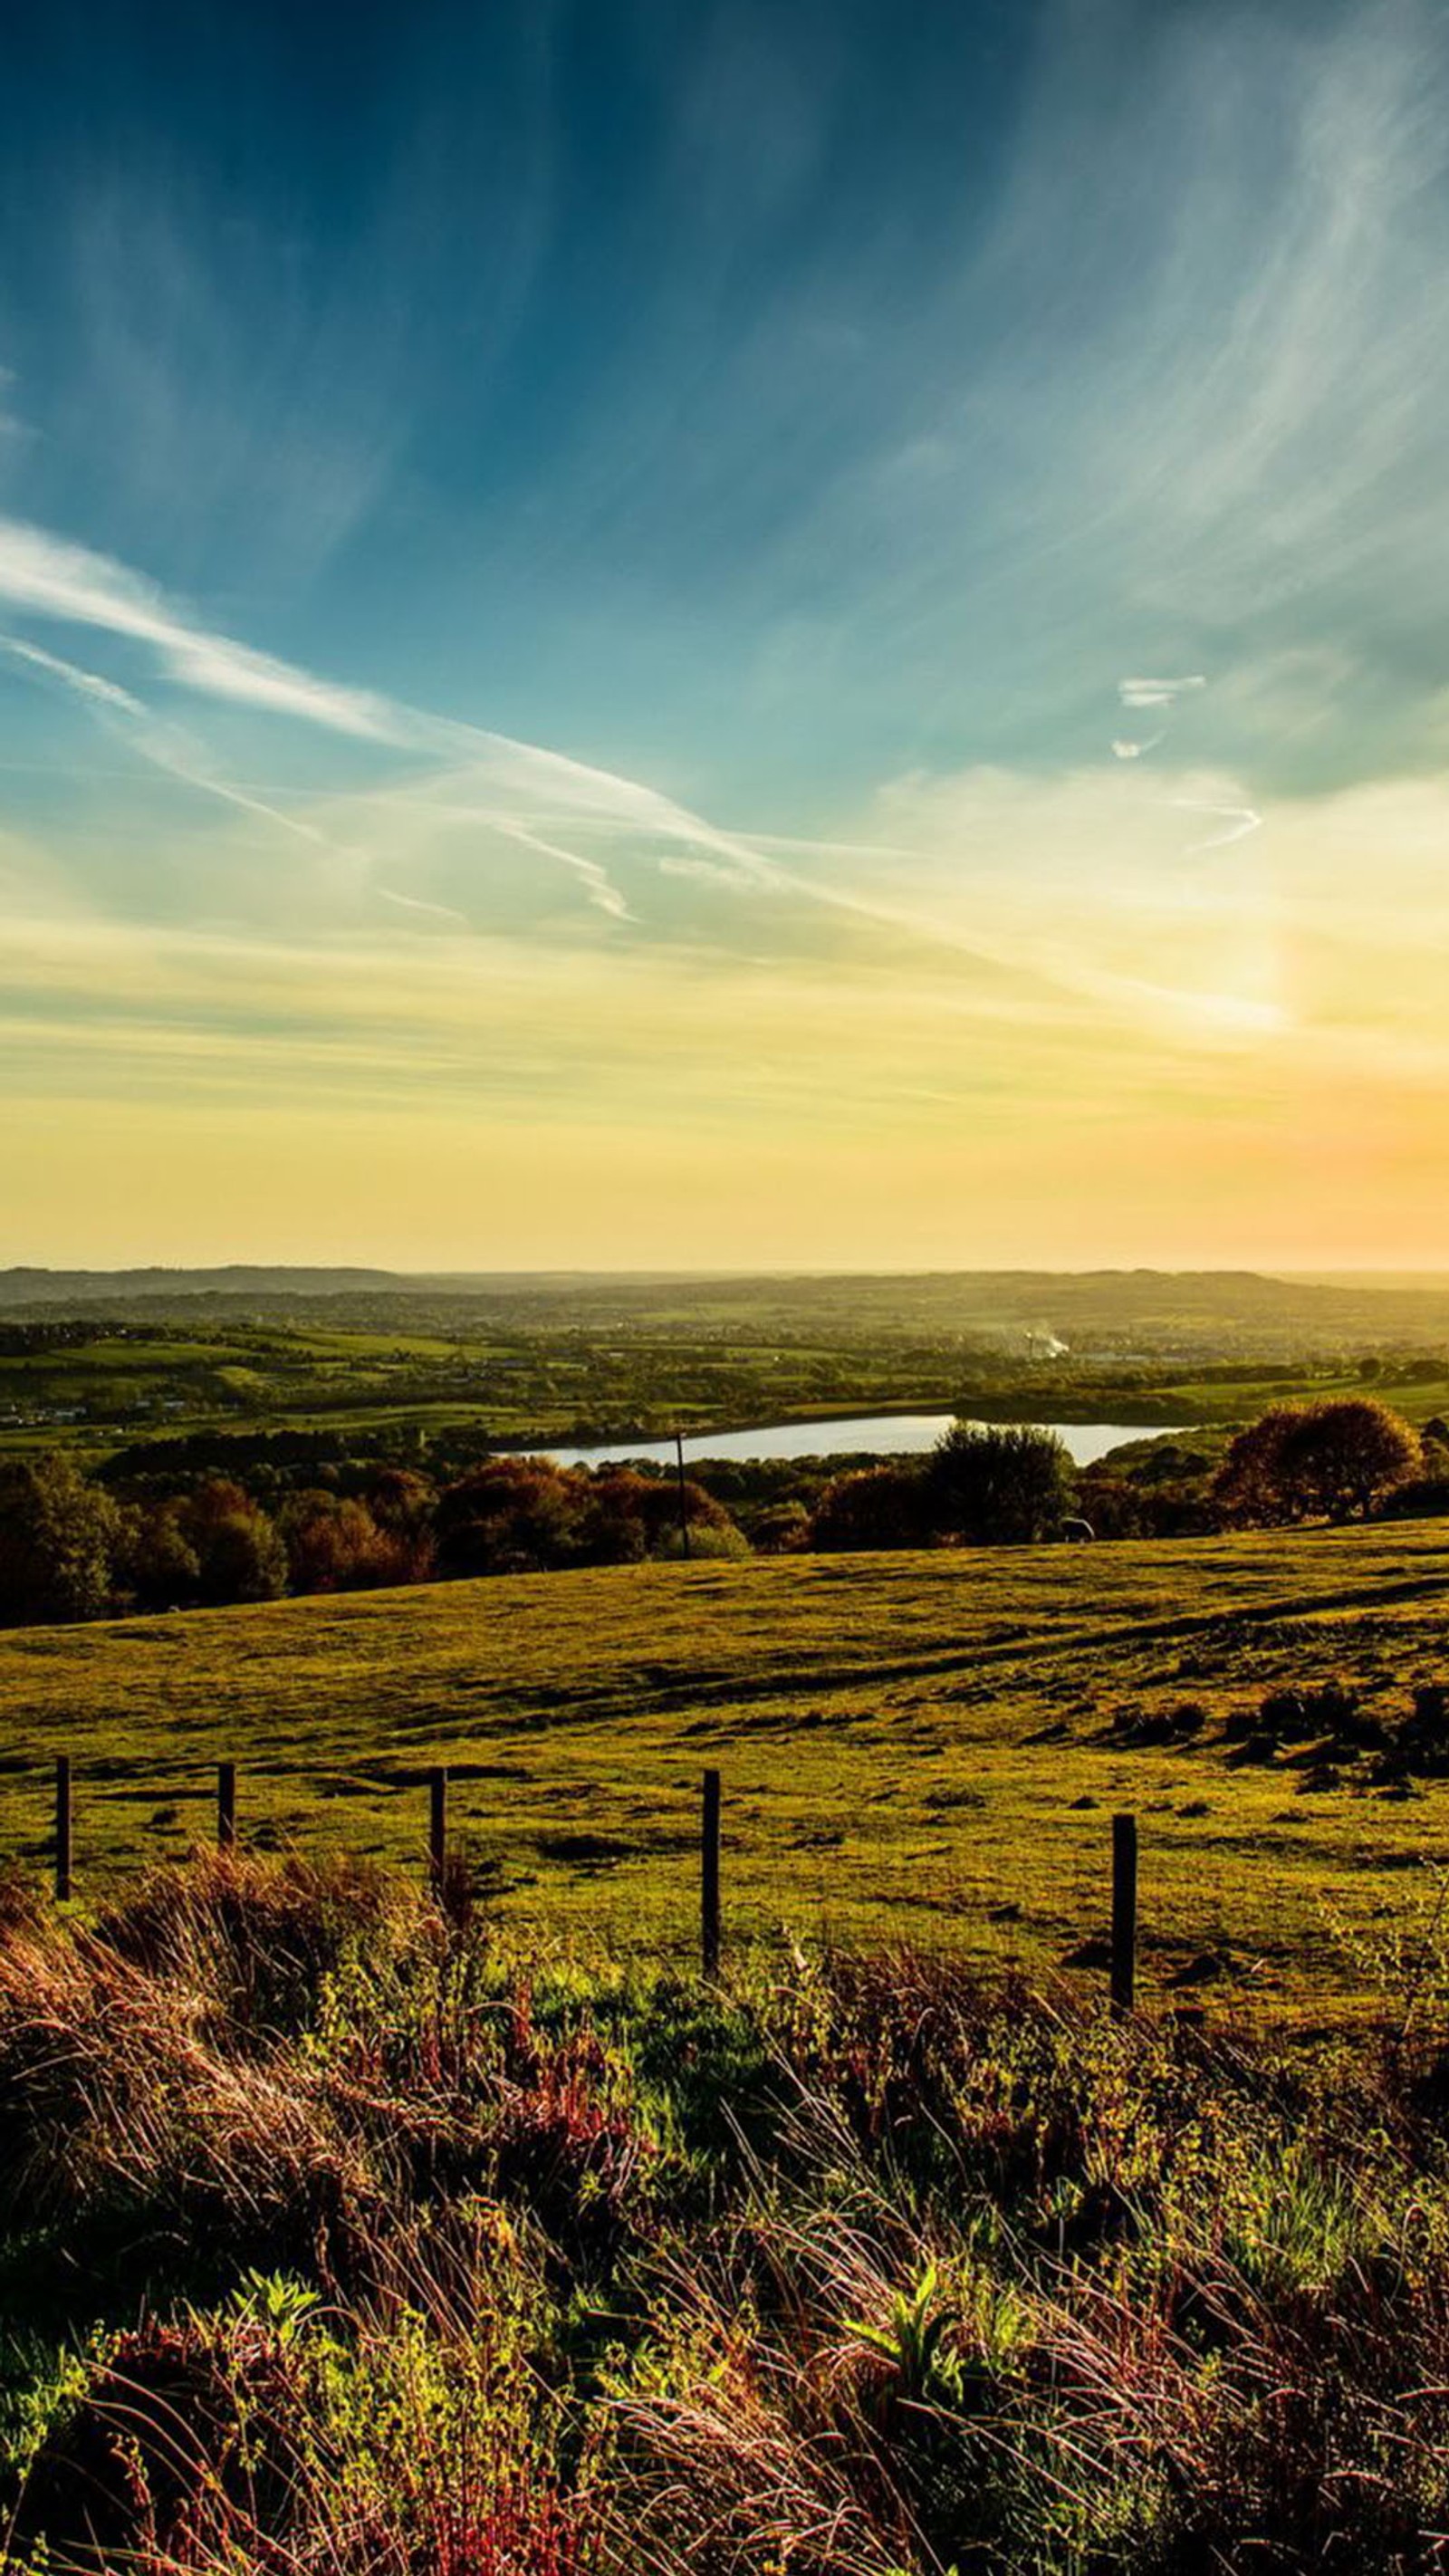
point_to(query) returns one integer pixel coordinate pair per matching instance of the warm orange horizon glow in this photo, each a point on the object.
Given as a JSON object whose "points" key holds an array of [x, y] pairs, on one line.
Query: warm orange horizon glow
{"points": [[1123, 1056]]}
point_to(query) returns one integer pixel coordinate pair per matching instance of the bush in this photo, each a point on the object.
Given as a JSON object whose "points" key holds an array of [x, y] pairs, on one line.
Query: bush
{"points": [[718, 1541]]}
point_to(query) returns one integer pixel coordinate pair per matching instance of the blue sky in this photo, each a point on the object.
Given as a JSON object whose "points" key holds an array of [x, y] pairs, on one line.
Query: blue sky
{"points": [[552, 558], [555, 366]]}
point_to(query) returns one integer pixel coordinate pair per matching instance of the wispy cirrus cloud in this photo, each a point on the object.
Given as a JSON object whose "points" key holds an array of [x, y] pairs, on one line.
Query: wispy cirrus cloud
{"points": [[86, 684], [51, 578], [468, 792], [1158, 693], [506, 780], [165, 745]]}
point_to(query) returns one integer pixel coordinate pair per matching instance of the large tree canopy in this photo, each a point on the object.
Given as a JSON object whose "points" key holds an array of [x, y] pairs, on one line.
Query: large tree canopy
{"points": [[988, 1484], [1331, 1461]]}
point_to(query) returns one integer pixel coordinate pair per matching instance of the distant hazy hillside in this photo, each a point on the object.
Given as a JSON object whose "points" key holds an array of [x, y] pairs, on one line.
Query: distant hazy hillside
{"points": [[33, 1287], [1122, 1311]]}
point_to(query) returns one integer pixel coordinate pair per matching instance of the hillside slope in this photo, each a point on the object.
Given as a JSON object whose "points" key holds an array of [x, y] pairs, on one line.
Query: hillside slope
{"points": [[927, 1744]]}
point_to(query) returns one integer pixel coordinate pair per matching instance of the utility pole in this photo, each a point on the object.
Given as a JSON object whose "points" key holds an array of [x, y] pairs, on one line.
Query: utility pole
{"points": [[683, 1502]]}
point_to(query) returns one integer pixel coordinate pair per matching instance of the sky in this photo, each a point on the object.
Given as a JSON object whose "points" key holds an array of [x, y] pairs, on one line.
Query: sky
{"points": [[725, 633]]}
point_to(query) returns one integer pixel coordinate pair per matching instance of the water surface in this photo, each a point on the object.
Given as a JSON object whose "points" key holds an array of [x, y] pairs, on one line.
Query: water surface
{"points": [[882, 1435]]}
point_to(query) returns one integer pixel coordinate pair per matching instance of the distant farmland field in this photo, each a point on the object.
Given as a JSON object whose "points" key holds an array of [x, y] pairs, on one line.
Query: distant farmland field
{"points": [[922, 1746]]}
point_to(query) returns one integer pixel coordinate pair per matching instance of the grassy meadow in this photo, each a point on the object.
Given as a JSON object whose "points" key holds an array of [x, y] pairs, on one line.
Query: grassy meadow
{"points": [[921, 1747]]}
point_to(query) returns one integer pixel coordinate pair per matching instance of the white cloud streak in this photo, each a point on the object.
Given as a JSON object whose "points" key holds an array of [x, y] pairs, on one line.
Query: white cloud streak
{"points": [[86, 684], [1158, 693], [1240, 821], [52, 578], [129, 719]]}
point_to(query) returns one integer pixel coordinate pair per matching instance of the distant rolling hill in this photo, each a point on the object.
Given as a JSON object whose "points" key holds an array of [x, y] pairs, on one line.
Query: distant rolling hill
{"points": [[1124, 1312], [34, 1287]]}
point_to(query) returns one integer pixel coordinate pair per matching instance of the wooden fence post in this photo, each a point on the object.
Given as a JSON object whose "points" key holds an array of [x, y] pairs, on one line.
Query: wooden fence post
{"points": [[62, 1827], [225, 1806], [709, 1876], [437, 1826], [1124, 1914]]}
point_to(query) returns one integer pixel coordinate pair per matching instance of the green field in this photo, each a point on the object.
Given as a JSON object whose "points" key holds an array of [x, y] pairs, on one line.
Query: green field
{"points": [[923, 1745]]}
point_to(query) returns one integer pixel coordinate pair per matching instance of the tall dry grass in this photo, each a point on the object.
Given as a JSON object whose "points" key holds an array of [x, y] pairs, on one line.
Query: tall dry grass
{"points": [[337, 2238]]}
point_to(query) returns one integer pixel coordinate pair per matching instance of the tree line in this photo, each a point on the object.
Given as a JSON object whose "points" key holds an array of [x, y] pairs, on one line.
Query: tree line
{"points": [[77, 1546]]}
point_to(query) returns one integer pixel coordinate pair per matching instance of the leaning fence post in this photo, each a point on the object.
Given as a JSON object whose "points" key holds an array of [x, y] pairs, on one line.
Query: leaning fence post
{"points": [[1124, 1914], [225, 1805], [437, 1826], [62, 1827], [709, 1876]]}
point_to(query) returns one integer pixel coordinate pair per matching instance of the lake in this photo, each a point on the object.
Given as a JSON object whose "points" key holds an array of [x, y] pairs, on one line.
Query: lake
{"points": [[877, 1434]]}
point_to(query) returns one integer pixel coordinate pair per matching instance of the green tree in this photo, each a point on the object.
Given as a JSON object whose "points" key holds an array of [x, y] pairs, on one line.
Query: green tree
{"points": [[780, 1529], [158, 1564], [987, 1484], [59, 1538]]}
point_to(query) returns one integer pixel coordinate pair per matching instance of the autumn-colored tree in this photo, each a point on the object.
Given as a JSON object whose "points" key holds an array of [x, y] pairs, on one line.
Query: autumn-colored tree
{"points": [[1249, 1487], [1340, 1458], [402, 1501], [1112, 1505], [509, 1516], [238, 1550], [1329, 1461], [334, 1544], [872, 1507], [613, 1524]]}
